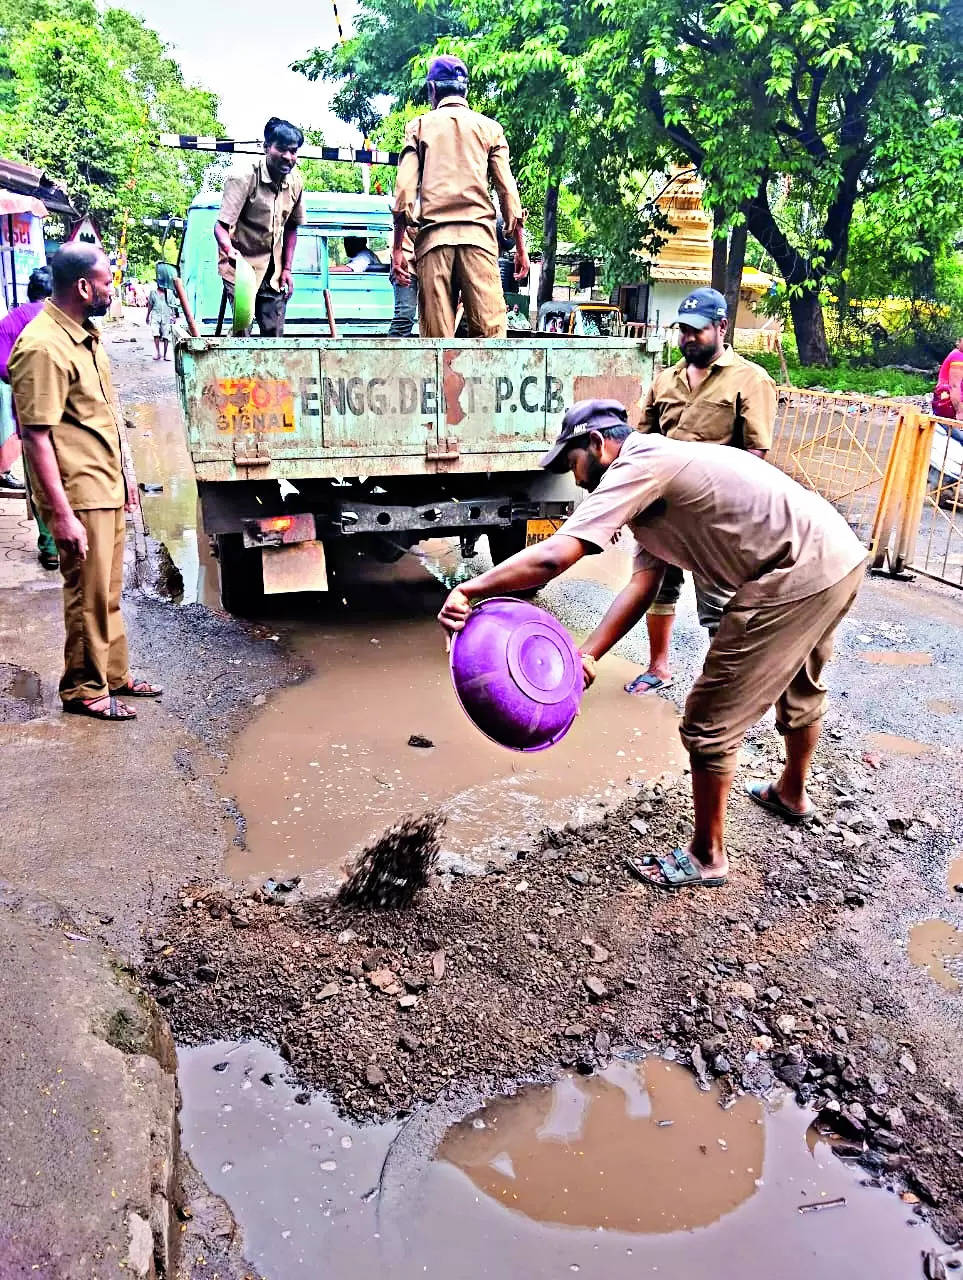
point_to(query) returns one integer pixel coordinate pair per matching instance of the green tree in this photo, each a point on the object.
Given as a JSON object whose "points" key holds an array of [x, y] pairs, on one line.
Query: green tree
{"points": [[83, 95], [841, 100]]}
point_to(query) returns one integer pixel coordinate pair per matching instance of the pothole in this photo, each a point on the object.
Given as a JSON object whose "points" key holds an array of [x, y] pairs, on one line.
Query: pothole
{"points": [[937, 947], [625, 1173], [21, 695]]}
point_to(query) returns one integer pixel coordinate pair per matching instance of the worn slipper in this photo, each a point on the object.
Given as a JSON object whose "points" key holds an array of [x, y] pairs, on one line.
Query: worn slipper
{"points": [[77, 707], [138, 689], [764, 794], [676, 871], [647, 682]]}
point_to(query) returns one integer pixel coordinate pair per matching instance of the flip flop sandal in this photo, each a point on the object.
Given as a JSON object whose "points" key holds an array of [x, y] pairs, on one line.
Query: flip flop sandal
{"points": [[77, 707], [647, 682], [677, 871], [138, 689], [765, 795]]}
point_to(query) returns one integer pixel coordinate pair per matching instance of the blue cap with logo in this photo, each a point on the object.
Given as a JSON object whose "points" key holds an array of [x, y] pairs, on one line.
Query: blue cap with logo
{"points": [[447, 69], [702, 307]]}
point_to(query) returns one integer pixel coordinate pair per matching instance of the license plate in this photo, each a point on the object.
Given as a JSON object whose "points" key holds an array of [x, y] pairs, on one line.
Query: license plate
{"points": [[539, 530]]}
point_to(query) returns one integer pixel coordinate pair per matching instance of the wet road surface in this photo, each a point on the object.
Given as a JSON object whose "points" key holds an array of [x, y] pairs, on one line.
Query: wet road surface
{"points": [[326, 766], [631, 1172]]}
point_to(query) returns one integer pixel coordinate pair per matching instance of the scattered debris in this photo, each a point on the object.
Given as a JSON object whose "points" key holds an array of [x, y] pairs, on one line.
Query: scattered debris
{"points": [[393, 871], [818, 1205]]}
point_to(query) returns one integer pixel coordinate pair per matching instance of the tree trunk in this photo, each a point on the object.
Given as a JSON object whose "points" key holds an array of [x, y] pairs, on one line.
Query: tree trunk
{"points": [[720, 255], [809, 327], [546, 283], [737, 260]]}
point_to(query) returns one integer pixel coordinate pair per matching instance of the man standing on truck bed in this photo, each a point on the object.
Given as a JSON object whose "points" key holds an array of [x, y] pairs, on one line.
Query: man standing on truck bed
{"points": [[449, 157], [714, 396], [261, 210]]}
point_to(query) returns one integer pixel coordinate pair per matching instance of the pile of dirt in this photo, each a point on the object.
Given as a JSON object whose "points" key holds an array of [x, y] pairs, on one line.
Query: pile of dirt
{"points": [[562, 959]]}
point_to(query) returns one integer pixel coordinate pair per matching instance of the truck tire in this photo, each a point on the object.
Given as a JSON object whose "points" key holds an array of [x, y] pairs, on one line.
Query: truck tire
{"points": [[242, 584], [506, 540]]}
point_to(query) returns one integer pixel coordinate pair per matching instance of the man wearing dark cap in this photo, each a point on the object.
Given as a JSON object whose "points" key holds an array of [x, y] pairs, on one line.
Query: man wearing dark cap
{"points": [[714, 396], [787, 561], [261, 210], [449, 158]]}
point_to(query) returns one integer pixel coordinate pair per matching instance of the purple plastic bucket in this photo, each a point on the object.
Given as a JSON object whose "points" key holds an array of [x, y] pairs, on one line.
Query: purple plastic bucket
{"points": [[517, 674]]}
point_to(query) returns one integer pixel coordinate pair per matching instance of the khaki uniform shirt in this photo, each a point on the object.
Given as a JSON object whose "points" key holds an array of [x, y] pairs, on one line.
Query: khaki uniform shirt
{"points": [[257, 212], [449, 157], [61, 379], [732, 519], [736, 404]]}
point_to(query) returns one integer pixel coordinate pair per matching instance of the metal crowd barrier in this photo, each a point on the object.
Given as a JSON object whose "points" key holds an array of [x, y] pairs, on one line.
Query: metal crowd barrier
{"points": [[893, 472]]}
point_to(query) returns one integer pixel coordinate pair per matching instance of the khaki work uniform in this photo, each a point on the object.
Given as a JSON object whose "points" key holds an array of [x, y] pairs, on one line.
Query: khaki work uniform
{"points": [[61, 380], [789, 561], [734, 405], [449, 157], [258, 211]]}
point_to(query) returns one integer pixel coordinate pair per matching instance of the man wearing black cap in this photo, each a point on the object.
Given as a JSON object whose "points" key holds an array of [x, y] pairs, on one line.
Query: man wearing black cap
{"points": [[449, 158], [788, 563], [714, 396]]}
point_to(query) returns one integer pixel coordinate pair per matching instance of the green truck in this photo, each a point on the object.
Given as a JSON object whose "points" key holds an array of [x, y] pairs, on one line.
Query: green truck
{"points": [[309, 450]]}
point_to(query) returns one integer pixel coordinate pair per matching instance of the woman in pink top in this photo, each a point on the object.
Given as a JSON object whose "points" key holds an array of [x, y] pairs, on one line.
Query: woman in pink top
{"points": [[948, 396]]}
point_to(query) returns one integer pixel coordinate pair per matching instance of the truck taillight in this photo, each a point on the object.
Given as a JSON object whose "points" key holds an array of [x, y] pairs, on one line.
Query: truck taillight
{"points": [[276, 524], [278, 531]]}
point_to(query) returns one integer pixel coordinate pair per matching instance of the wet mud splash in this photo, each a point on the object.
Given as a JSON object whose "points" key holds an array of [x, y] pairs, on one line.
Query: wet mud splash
{"points": [[937, 947], [630, 1172], [327, 764]]}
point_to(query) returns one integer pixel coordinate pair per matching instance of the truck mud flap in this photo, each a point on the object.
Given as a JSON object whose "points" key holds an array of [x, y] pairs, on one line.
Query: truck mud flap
{"points": [[300, 566]]}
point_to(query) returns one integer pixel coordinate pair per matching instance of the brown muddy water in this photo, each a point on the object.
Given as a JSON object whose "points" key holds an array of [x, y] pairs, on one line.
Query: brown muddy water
{"points": [[897, 746], [627, 1173], [326, 765], [937, 947], [897, 657]]}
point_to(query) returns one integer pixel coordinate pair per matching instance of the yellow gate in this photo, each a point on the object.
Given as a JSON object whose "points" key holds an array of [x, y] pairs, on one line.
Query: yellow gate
{"points": [[893, 472]]}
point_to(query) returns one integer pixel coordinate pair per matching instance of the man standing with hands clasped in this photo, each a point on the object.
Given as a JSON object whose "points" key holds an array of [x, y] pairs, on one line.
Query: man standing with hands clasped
{"points": [[71, 439], [711, 396], [790, 565], [449, 157], [261, 210]]}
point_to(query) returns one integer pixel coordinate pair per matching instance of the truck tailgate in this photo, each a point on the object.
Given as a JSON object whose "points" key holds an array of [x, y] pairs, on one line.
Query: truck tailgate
{"points": [[315, 407]]}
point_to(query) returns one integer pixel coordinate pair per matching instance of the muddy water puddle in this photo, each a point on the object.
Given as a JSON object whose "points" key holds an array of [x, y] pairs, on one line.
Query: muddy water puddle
{"points": [[630, 1172], [161, 457], [936, 946], [897, 657], [895, 745], [326, 765]]}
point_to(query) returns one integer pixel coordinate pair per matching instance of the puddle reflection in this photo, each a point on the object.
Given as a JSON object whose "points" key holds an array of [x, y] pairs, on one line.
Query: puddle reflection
{"points": [[603, 1187]]}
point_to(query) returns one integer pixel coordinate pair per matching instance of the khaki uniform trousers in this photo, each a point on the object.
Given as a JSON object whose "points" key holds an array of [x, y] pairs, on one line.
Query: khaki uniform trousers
{"points": [[450, 269], [763, 656], [95, 652]]}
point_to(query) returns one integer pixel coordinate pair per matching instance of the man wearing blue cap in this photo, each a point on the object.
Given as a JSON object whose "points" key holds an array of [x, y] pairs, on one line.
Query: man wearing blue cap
{"points": [[714, 396], [449, 158], [787, 563]]}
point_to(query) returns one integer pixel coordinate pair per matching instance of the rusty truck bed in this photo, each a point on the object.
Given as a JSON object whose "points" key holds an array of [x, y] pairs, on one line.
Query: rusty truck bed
{"points": [[299, 408]]}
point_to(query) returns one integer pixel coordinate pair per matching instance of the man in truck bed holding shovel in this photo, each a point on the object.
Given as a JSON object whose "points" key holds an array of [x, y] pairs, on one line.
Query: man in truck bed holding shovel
{"points": [[261, 210], [789, 561]]}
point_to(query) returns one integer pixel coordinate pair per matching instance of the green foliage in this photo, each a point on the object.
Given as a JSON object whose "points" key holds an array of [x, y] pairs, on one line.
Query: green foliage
{"points": [[846, 378], [807, 104], [83, 94]]}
